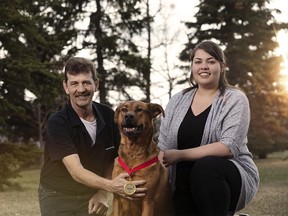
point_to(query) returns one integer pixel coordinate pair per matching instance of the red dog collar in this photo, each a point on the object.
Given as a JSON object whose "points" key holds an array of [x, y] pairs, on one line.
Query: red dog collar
{"points": [[137, 168]]}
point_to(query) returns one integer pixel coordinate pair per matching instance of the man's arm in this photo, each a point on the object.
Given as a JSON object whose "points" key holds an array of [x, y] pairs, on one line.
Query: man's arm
{"points": [[90, 179], [84, 176]]}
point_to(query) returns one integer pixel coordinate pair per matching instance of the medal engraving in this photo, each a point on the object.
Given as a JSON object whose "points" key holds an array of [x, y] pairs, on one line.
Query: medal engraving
{"points": [[129, 188]]}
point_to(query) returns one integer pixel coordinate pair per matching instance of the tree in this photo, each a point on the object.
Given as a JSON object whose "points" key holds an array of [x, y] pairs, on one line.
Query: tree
{"points": [[113, 31], [245, 29], [33, 37], [13, 158], [166, 41]]}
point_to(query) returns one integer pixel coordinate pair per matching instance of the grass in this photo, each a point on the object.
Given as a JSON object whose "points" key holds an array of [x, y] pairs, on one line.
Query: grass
{"points": [[271, 199], [22, 202]]}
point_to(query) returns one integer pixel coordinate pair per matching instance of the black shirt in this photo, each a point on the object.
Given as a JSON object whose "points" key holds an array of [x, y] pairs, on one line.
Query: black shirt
{"points": [[189, 136], [191, 129], [66, 135]]}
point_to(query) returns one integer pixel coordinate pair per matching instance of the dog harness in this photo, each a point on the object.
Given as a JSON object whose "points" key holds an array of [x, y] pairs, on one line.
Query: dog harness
{"points": [[137, 168]]}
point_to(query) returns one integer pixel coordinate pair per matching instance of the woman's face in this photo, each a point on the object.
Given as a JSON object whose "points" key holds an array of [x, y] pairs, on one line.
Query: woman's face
{"points": [[206, 70]]}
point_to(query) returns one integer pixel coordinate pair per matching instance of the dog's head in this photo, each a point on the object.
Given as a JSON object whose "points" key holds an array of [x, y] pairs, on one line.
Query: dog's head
{"points": [[135, 117]]}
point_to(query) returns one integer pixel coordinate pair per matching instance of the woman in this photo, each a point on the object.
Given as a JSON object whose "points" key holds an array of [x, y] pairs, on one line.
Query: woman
{"points": [[203, 140]]}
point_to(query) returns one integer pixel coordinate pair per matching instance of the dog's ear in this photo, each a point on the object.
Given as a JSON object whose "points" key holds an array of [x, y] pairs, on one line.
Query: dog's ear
{"points": [[116, 114], [155, 109]]}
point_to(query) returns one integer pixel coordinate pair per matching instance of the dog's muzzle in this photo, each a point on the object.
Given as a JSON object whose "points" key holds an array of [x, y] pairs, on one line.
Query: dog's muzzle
{"points": [[130, 127]]}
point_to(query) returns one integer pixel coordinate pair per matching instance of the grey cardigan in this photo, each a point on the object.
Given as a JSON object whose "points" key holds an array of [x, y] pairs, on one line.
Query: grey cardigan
{"points": [[227, 122]]}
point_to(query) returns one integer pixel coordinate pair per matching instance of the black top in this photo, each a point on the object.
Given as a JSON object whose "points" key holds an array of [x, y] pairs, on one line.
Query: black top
{"points": [[66, 135], [191, 129], [189, 136]]}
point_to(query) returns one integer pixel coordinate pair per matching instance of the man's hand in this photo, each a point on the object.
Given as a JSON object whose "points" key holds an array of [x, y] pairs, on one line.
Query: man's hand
{"points": [[118, 187], [98, 203]]}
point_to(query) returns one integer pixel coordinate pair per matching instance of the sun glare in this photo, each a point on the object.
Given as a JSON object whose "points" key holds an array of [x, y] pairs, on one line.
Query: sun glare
{"points": [[283, 49]]}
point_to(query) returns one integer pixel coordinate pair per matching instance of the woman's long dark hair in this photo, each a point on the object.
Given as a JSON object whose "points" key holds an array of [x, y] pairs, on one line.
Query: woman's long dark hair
{"points": [[214, 50]]}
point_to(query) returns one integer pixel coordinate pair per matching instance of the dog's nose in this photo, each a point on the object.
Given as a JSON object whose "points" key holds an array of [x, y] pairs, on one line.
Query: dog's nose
{"points": [[129, 117]]}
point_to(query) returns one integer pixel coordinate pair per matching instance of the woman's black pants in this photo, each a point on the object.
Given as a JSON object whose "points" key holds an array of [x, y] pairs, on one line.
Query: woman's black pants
{"points": [[208, 186]]}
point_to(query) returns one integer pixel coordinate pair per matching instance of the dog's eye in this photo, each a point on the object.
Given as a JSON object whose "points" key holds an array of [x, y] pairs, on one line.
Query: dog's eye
{"points": [[124, 109], [139, 110]]}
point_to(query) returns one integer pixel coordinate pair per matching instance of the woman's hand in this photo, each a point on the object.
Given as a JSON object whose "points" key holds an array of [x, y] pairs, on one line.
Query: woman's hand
{"points": [[171, 157]]}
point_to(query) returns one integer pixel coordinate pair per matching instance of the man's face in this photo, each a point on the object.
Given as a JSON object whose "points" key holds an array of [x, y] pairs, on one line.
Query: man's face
{"points": [[80, 88]]}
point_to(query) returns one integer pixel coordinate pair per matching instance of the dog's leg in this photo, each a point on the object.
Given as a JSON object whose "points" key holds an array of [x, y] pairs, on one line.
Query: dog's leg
{"points": [[115, 209], [147, 208]]}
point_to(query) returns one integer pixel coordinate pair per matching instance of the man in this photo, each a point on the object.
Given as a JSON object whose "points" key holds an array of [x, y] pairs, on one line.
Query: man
{"points": [[81, 143]]}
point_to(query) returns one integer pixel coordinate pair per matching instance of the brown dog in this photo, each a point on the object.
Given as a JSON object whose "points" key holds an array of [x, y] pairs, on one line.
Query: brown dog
{"points": [[138, 149]]}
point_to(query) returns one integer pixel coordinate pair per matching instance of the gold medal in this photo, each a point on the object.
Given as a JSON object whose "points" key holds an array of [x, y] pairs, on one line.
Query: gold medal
{"points": [[129, 188]]}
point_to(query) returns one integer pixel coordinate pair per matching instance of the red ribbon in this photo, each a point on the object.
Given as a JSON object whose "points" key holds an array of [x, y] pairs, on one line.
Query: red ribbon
{"points": [[137, 168]]}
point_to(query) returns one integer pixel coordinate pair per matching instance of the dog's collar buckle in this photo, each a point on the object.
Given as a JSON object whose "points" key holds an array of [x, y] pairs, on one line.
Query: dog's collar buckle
{"points": [[137, 168]]}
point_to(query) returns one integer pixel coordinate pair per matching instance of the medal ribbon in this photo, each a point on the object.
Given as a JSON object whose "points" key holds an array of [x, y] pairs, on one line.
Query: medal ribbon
{"points": [[137, 168]]}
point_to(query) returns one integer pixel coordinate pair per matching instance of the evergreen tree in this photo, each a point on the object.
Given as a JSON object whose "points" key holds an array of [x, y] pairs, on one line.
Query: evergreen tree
{"points": [[246, 30], [33, 37], [113, 31]]}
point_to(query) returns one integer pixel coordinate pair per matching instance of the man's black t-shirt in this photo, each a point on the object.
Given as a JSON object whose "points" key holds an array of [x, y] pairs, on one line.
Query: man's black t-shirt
{"points": [[66, 135]]}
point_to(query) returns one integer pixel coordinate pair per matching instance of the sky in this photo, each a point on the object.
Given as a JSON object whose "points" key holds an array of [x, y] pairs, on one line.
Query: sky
{"points": [[179, 11], [182, 10]]}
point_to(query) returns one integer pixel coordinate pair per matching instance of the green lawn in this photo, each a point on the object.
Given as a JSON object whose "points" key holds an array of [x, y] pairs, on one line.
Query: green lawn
{"points": [[23, 202], [272, 197], [271, 200]]}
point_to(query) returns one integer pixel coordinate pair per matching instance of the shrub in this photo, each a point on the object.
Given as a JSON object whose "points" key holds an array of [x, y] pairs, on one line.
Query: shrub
{"points": [[13, 158], [9, 168]]}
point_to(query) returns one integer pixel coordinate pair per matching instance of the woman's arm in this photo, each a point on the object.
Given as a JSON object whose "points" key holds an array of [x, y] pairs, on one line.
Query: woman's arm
{"points": [[170, 157]]}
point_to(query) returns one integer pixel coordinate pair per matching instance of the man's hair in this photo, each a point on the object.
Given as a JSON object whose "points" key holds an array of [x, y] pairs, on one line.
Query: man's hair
{"points": [[78, 65]]}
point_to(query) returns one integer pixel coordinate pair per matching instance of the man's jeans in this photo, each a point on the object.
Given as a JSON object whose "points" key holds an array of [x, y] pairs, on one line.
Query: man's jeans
{"points": [[54, 203]]}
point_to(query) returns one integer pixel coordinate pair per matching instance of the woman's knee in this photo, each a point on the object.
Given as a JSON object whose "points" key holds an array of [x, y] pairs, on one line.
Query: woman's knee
{"points": [[209, 165]]}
